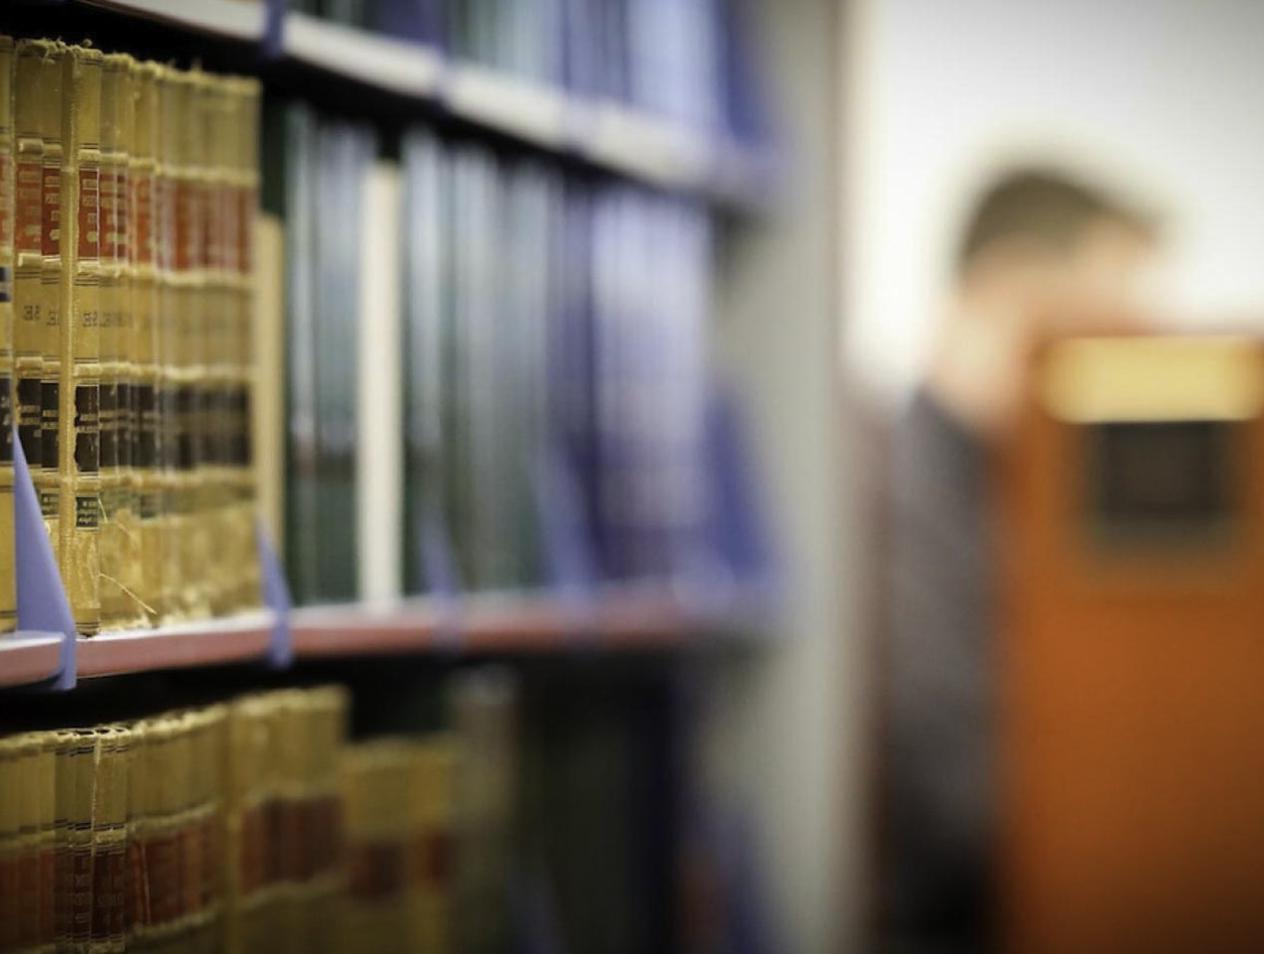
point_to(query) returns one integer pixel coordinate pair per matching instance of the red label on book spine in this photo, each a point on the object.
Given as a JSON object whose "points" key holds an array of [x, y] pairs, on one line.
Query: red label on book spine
{"points": [[6, 200], [89, 213], [143, 202], [29, 206], [50, 217]]}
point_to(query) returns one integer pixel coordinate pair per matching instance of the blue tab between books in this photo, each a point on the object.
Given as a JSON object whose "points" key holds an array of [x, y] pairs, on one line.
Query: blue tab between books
{"points": [[41, 598], [276, 597]]}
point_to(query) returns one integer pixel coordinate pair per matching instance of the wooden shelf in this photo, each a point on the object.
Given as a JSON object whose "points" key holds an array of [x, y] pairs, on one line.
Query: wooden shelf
{"points": [[204, 643], [619, 620], [26, 658], [228, 19]]}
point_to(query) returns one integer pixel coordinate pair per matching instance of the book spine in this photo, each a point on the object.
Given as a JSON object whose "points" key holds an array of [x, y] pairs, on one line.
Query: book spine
{"points": [[81, 789], [299, 145], [80, 392], [8, 590], [145, 289], [127, 539], [211, 768], [142, 783], [376, 798], [171, 101], [218, 332], [10, 807], [109, 842], [46, 835], [185, 521], [430, 856], [28, 303], [113, 158], [245, 372], [52, 110], [250, 825], [378, 397]]}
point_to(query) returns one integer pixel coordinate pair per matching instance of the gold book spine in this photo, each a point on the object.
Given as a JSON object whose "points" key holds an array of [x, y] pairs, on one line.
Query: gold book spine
{"points": [[117, 605], [434, 771], [145, 291], [10, 811], [109, 841], [162, 776], [52, 111], [325, 874], [252, 831], [191, 253], [215, 336], [80, 393], [128, 536], [63, 799], [8, 589], [27, 765], [172, 103], [28, 299], [137, 910], [245, 478], [47, 840], [376, 796], [80, 789], [211, 781]]}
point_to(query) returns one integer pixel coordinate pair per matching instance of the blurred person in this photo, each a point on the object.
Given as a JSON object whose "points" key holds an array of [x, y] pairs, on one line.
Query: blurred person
{"points": [[1042, 255]]}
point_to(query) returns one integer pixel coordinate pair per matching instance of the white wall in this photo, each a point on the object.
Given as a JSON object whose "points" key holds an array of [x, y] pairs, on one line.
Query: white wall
{"points": [[1163, 96]]}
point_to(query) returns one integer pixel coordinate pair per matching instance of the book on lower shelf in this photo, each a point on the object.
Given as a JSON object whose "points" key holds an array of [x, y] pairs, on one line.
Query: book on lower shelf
{"points": [[257, 823]]}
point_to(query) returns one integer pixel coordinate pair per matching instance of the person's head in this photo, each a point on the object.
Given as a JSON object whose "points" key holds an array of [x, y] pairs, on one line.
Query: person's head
{"points": [[1065, 253]]}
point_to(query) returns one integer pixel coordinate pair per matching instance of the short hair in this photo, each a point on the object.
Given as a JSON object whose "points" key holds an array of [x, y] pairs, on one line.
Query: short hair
{"points": [[1046, 207]]}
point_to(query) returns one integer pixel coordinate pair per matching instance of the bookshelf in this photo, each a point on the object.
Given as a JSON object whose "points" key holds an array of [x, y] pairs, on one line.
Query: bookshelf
{"points": [[218, 642], [224, 19], [605, 134], [624, 621], [774, 323], [29, 658]]}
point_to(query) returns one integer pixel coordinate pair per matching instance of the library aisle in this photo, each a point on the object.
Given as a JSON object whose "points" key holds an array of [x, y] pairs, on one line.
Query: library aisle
{"points": [[421, 526]]}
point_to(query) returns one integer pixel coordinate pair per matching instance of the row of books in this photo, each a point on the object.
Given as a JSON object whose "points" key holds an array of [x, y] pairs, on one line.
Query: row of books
{"points": [[521, 817], [669, 57], [516, 353], [128, 196], [246, 826]]}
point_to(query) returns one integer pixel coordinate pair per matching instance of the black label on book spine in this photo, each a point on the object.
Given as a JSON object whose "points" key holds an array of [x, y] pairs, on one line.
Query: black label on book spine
{"points": [[29, 411], [186, 427], [87, 429], [146, 440], [168, 428], [149, 504], [205, 425], [49, 438], [50, 504], [87, 512], [107, 423], [6, 420], [239, 454], [126, 424]]}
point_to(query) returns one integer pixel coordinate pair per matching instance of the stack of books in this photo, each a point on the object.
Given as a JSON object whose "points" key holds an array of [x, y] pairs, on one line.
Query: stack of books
{"points": [[128, 196]]}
